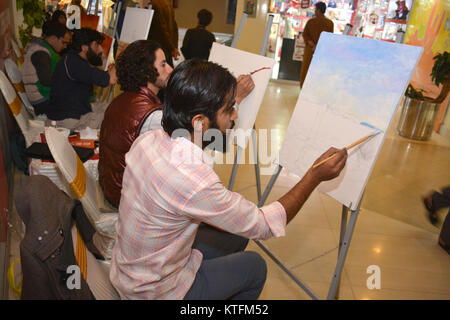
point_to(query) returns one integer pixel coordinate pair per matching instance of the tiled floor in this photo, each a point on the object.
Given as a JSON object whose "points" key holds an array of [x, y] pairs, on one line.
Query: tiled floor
{"points": [[391, 232]]}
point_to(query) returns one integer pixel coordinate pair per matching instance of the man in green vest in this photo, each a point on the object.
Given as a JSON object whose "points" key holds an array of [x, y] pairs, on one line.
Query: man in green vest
{"points": [[40, 60]]}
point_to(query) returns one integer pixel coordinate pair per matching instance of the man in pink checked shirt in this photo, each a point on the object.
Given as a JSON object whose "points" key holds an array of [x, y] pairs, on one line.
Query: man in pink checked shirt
{"points": [[165, 247]]}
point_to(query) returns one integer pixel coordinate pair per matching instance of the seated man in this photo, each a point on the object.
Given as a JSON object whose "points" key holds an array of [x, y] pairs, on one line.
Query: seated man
{"points": [[169, 189], [142, 71], [40, 60], [73, 80]]}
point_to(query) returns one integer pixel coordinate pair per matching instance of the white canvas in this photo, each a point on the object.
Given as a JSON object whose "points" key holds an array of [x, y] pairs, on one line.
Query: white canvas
{"points": [[136, 24], [241, 62], [352, 89]]}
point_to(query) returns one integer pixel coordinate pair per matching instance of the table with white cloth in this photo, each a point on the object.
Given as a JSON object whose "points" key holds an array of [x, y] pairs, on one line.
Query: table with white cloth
{"points": [[50, 169]]}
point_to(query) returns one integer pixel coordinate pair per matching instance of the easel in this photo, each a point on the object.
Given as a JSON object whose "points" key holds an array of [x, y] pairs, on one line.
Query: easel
{"points": [[345, 238], [347, 228], [239, 150], [112, 32]]}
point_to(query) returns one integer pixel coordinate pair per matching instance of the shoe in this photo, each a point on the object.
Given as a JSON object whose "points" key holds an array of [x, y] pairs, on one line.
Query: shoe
{"points": [[431, 213]]}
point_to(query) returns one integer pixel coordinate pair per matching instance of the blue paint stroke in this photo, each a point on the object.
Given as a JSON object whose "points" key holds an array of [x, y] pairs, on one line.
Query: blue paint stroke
{"points": [[370, 126]]}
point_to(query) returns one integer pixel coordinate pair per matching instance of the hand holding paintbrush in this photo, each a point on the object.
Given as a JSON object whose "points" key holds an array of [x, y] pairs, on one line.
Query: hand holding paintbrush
{"points": [[354, 144]]}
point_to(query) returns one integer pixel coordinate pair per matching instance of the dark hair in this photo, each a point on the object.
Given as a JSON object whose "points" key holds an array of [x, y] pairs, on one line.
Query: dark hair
{"points": [[321, 6], [204, 17], [85, 36], [57, 14], [195, 87], [53, 28], [135, 65]]}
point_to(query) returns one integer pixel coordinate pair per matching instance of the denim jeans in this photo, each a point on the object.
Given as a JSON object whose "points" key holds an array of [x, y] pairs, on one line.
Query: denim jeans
{"points": [[227, 271]]}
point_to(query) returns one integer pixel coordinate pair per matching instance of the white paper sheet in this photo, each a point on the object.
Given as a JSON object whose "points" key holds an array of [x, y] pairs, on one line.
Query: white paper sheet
{"points": [[241, 62], [136, 24]]}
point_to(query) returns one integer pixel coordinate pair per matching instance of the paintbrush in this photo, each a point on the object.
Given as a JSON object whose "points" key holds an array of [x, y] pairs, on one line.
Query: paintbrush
{"points": [[354, 144], [259, 70]]}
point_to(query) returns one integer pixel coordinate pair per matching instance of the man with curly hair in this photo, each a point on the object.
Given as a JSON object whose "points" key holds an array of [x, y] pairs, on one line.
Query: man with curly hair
{"points": [[142, 71]]}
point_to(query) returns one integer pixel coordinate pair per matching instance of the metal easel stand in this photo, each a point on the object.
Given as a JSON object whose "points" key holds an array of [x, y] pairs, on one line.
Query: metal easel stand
{"points": [[261, 202], [254, 138], [239, 151], [344, 244]]}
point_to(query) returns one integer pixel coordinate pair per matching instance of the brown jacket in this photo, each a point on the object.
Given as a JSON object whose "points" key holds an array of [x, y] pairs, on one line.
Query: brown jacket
{"points": [[121, 125], [313, 28], [46, 250], [164, 28]]}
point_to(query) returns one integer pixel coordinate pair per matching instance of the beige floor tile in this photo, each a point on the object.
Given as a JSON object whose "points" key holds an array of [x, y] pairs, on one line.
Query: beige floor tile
{"points": [[402, 279], [280, 286], [362, 293]]}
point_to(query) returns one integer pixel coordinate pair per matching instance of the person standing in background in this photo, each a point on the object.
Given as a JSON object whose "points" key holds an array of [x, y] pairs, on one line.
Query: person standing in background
{"points": [[311, 35], [198, 41], [164, 29]]}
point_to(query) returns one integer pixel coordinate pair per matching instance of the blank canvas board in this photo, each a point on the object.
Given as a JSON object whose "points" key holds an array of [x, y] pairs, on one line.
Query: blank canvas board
{"points": [[241, 62], [136, 24], [352, 89]]}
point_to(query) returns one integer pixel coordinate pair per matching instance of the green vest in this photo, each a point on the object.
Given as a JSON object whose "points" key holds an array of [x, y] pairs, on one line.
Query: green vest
{"points": [[44, 90]]}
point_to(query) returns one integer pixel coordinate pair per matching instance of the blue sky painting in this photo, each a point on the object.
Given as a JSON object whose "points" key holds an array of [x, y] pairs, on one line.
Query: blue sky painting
{"points": [[360, 77]]}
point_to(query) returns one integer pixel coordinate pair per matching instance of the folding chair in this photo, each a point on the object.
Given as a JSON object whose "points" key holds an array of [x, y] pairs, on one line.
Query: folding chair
{"points": [[94, 271], [29, 127], [15, 75], [18, 51], [85, 188]]}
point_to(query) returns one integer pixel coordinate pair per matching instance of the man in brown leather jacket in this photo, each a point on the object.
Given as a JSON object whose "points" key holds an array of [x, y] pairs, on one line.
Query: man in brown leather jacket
{"points": [[142, 71]]}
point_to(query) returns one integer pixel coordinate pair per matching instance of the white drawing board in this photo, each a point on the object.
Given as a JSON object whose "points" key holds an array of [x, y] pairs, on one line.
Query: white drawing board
{"points": [[352, 89], [136, 24], [240, 62]]}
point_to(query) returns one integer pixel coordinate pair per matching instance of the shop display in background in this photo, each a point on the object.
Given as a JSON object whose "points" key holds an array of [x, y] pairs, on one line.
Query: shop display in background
{"points": [[272, 41], [290, 18], [340, 12], [381, 19], [299, 48]]}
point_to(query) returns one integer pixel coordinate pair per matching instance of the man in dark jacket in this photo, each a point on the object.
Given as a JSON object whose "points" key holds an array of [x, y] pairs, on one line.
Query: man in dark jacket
{"points": [[73, 81], [143, 71], [197, 42]]}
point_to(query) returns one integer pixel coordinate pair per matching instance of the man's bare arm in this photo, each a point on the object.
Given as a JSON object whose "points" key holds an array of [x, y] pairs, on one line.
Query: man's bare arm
{"points": [[293, 200]]}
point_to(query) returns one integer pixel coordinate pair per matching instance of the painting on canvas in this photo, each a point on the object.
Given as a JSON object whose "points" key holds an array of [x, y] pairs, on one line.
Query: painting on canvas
{"points": [[352, 89]]}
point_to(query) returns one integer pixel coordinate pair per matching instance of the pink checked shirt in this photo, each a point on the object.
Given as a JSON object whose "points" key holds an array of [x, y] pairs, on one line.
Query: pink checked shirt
{"points": [[168, 189]]}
